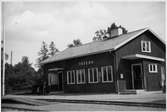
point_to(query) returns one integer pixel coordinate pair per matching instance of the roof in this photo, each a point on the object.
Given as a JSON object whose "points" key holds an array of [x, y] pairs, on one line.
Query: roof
{"points": [[96, 46]]}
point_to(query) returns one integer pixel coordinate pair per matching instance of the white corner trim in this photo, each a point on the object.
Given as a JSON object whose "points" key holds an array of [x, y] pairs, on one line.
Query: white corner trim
{"points": [[126, 41], [150, 57]]}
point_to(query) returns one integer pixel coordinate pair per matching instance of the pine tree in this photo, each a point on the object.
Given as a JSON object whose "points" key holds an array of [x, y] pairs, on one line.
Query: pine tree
{"points": [[103, 34], [52, 49], [76, 42], [43, 53]]}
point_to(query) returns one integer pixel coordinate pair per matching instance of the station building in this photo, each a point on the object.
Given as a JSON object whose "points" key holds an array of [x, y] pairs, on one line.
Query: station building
{"points": [[132, 61]]}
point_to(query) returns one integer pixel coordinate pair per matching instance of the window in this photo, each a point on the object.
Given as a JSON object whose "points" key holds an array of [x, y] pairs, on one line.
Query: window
{"points": [[52, 79], [93, 75], [80, 76], [145, 46], [71, 77], [107, 74], [152, 68]]}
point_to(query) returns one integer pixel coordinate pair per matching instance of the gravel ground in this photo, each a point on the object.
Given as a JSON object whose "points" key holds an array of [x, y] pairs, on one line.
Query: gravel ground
{"points": [[75, 107]]}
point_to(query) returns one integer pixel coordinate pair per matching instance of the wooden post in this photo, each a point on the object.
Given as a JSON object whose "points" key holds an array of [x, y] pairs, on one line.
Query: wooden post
{"points": [[3, 56]]}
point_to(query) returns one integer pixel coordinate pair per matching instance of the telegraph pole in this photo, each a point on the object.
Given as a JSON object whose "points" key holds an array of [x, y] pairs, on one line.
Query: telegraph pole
{"points": [[3, 54]]}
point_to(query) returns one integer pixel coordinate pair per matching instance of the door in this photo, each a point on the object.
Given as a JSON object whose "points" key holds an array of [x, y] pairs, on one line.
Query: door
{"points": [[137, 76], [60, 86]]}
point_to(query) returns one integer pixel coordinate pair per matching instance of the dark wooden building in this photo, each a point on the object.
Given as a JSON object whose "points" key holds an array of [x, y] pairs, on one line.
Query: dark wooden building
{"points": [[131, 61]]}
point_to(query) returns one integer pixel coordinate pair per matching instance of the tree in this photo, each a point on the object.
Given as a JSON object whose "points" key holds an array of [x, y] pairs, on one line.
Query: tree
{"points": [[113, 26], [43, 53], [100, 35], [25, 60], [103, 34], [6, 56], [70, 45], [52, 49], [76, 42], [20, 76]]}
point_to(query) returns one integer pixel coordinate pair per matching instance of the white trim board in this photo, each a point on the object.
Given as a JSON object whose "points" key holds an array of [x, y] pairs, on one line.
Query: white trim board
{"points": [[143, 56], [55, 69]]}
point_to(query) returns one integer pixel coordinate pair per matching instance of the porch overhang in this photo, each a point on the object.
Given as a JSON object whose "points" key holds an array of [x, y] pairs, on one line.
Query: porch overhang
{"points": [[141, 56], [55, 69]]}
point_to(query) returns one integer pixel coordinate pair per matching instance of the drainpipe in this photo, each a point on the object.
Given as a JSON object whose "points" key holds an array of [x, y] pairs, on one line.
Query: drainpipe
{"points": [[115, 74]]}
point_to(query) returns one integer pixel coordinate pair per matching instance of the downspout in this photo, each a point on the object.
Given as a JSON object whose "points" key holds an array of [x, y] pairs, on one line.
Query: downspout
{"points": [[115, 73]]}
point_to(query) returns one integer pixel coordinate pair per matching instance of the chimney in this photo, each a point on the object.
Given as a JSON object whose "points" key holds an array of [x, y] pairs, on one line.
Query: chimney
{"points": [[116, 32]]}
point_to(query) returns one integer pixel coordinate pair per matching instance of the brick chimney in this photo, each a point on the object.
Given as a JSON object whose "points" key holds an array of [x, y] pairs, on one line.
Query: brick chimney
{"points": [[116, 32]]}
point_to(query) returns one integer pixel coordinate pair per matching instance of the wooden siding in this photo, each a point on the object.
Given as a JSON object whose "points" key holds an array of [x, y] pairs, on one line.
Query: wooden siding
{"points": [[134, 47], [99, 60], [153, 80]]}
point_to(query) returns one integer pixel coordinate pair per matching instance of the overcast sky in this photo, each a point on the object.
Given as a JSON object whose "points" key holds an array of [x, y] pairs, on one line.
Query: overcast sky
{"points": [[27, 24]]}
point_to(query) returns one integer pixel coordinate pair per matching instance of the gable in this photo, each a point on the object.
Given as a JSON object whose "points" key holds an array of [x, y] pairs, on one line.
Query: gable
{"points": [[134, 46], [137, 35]]}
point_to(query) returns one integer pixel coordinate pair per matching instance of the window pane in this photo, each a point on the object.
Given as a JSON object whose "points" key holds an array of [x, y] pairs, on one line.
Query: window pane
{"points": [[83, 77], [104, 74], [91, 75], [72, 76], [147, 46], [144, 46], [109, 74], [154, 69], [151, 67], [79, 77], [95, 75], [69, 77]]}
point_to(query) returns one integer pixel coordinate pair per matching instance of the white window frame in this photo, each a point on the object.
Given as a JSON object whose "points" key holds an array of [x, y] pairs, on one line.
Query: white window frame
{"points": [[147, 45], [69, 74], [151, 68], [79, 74], [106, 67], [92, 70]]}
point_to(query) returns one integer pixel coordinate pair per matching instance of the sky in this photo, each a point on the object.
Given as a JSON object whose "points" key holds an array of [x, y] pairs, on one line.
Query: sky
{"points": [[27, 24]]}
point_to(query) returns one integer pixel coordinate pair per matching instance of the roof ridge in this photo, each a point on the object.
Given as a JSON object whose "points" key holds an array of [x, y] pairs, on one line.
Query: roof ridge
{"points": [[102, 40]]}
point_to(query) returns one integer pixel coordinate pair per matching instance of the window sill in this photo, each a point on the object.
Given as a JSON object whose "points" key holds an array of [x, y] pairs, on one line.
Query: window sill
{"points": [[81, 83], [146, 51], [70, 83], [107, 81], [92, 82], [153, 72]]}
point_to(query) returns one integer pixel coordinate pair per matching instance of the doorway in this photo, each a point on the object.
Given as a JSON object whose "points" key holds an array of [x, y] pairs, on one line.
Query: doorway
{"points": [[137, 76], [60, 78], [55, 81]]}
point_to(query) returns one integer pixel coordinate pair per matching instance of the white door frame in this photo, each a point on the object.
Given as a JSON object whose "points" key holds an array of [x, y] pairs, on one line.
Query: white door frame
{"points": [[132, 65]]}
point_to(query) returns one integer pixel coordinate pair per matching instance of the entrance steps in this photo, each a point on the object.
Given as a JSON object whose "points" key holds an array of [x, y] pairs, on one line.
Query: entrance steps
{"points": [[130, 91], [140, 91], [137, 91]]}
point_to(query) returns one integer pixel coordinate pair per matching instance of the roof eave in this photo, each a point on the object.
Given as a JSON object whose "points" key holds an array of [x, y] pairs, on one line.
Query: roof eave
{"points": [[110, 50]]}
